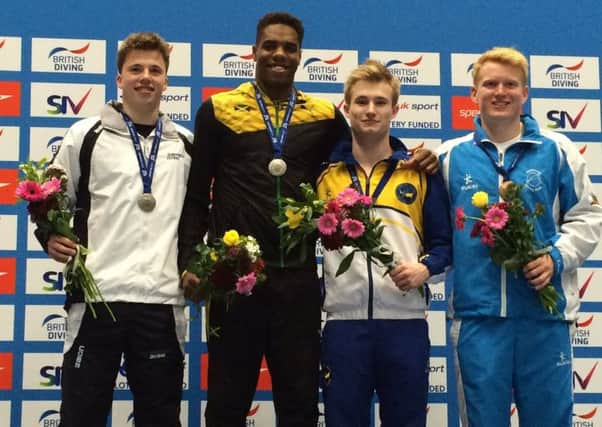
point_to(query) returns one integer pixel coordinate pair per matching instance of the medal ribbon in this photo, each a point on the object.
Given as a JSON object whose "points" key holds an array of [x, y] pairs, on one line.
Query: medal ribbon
{"points": [[277, 136], [381, 184], [501, 170], [147, 169]]}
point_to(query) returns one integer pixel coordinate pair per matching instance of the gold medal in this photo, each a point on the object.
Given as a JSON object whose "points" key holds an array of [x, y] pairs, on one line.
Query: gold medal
{"points": [[277, 167], [146, 202]]}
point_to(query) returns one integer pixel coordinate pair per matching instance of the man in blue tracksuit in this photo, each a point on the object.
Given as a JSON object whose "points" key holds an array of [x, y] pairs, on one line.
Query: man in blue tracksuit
{"points": [[376, 334], [506, 344]]}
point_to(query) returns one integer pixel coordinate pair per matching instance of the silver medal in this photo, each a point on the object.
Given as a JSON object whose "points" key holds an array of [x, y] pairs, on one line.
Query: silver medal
{"points": [[277, 167], [146, 202]]}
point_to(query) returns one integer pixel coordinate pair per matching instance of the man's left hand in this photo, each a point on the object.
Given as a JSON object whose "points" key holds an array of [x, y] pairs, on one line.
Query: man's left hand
{"points": [[424, 160], [539, 272]]}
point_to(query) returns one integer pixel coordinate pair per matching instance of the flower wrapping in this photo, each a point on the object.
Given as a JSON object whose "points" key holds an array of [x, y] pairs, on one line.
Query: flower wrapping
{"points": [[507, 229], [44, 189], [228, 267]]}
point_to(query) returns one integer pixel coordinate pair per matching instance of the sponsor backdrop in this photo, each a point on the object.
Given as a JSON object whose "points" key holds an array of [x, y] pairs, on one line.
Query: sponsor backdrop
{"points": [[57, 65]]}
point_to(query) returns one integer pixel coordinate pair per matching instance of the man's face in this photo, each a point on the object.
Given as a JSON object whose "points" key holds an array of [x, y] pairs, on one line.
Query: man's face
{"points": [[500, 92], [371, 108], [143, 78], [277, 56]]}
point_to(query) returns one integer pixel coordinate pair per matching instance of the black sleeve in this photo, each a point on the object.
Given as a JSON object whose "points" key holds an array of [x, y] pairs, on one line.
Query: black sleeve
{"points": [[205, 156]]}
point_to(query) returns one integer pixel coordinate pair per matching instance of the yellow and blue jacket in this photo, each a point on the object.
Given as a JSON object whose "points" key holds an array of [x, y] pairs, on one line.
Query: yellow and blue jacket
{"points": [[413, 207]]}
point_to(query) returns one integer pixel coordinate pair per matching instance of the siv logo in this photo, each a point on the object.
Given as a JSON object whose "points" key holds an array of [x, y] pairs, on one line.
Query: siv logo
{"points": [[559, 119], [54, 279], [52, 375], [585, 285], [583, 382], [60, 103], [49, 418]]}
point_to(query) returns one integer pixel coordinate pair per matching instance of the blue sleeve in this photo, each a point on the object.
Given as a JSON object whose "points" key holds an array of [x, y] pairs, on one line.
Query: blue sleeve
{"points": [[437, 226]]}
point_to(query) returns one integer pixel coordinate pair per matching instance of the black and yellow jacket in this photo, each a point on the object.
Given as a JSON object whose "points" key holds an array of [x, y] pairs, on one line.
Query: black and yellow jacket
{"points": [[233, 149], [414, 209]]}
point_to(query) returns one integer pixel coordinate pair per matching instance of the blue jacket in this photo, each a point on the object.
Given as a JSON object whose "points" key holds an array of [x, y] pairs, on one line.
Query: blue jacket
{"points": [[554, 174]]}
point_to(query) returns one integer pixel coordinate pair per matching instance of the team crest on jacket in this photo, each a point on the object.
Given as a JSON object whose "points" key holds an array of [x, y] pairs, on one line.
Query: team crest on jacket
{"points": [[406, 193], [534, 181]]}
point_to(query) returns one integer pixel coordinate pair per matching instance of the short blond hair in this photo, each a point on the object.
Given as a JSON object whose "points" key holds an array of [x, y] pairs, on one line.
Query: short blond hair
{"points": [[372, 71], [502, 55]]}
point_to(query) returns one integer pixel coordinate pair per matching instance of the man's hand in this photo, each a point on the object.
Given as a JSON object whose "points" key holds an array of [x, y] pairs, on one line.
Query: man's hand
{"points": [[410, 275], [189, 282], [424, 160], [60, 248], [539, 272]]}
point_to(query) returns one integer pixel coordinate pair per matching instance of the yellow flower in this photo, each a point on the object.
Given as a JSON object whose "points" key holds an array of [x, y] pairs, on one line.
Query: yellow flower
{"points": [[231, 238], [480, 199], [294, 218], [213, 256]]}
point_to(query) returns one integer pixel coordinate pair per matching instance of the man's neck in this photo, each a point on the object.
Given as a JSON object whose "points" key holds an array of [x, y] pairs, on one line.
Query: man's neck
{"points": [[275, 93], [141, 117], [369, 152], [502, 131]]}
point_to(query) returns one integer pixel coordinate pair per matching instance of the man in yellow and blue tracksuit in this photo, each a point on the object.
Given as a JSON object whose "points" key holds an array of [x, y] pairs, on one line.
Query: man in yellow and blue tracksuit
{"points": [[376, 334]]}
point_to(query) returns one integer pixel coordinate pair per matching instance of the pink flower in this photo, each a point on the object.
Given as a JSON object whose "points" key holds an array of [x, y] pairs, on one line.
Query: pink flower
{"points": [[496, 218], [348, 197], [460, 217], [352, 228], [333, 207], [30, 191], [327, 224], [365, 200], [245, 284], [476, 228], [487, 237], [51, 187]]}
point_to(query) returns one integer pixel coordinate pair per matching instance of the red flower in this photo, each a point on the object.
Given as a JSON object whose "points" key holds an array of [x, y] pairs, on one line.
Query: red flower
{"points": [[460, 217]]}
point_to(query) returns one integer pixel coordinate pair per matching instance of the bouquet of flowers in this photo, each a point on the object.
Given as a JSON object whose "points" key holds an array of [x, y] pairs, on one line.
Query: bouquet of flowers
{"points": [[228, 267], [346, 220], [44, 188], [506, 227]]}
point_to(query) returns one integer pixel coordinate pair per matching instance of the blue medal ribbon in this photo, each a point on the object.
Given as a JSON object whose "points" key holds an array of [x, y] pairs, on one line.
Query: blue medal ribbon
{"points": [[381, 184], [277, 136], [147, 168], [501, 170]]}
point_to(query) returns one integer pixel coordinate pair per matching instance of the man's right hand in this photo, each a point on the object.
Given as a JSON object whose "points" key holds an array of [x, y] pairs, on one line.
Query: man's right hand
{"points": [[189, 282], [61, 248]]}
